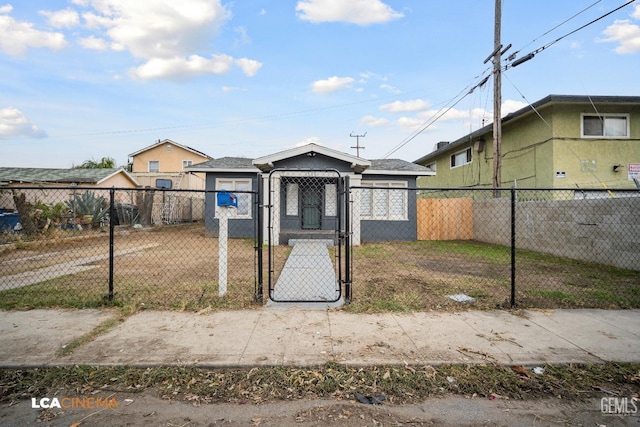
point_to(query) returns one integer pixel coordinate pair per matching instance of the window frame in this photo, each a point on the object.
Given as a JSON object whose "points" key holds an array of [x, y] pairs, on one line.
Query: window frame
{"points": [[375, 213], [604, 118], [243, 198], [186, 164], [469, 158], [149, 166]]}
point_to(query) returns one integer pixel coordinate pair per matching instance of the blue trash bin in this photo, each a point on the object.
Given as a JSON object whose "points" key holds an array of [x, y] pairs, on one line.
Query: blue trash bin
{"points": [[9, 221]]}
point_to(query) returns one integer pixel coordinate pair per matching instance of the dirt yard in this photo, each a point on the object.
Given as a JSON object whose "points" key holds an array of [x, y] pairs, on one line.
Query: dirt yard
{"points": [[177, 267]]}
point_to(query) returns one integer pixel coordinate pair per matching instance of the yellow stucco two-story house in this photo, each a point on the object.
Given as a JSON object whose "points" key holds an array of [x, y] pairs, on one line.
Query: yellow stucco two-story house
{"points": [[164, 165], [560, 141]]}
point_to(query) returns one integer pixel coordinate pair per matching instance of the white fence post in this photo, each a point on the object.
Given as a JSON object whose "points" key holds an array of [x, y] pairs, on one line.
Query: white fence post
{"points": [[223, 237]]}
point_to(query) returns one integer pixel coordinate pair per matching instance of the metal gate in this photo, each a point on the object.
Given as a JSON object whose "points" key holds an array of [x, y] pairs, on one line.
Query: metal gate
{"points": [[309, 245]]}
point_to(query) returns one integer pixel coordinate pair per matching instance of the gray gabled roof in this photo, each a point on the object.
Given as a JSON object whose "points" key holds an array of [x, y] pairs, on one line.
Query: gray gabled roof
{"points": [[397, 166], [225, 164], [265, 163], [63, 176], [379, 167]]}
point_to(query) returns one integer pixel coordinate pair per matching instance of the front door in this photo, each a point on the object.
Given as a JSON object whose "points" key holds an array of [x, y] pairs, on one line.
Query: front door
{"points": [[311, 208]]}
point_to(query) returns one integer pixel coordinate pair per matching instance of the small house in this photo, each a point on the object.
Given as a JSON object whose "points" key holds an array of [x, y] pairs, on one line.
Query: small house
{"points": [[303, 194]]}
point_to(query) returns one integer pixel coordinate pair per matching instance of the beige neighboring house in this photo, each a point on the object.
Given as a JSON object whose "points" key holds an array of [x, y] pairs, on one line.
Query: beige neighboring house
{"points": [[46, 179], [164, 165]]}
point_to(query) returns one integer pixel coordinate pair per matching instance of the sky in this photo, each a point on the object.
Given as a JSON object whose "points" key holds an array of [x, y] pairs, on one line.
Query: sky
{"points": [[86, 79]]}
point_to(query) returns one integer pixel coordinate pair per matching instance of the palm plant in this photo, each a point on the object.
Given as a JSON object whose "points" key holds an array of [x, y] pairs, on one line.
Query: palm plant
{"points": [[88, 204]]}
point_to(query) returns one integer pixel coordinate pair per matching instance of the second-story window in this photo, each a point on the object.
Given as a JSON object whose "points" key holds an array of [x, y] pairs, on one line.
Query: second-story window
{"points": [[605, 126], [461, 158]]}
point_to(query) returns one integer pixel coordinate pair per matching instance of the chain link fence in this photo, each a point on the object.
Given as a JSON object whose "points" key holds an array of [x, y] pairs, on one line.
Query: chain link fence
{"points": [[83, 247], [415, 248], [505, 248]]}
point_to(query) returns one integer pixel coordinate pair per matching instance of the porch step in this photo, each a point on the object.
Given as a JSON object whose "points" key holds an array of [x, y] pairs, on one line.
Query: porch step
{"points": [[287, 235], [293, 242]]}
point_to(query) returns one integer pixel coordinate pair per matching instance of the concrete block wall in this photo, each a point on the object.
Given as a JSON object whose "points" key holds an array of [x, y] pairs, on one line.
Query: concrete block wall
{"points": [[605, 231]]}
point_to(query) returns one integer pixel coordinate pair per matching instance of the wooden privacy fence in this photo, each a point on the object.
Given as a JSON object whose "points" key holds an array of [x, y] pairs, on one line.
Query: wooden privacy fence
{"points": [[445, 219]]}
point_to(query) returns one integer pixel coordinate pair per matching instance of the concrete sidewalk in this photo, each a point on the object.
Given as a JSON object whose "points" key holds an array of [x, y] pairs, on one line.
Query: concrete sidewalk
{"points": [[309, 337]]}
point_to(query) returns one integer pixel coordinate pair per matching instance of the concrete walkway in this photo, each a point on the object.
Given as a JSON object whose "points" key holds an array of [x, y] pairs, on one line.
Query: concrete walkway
{"points": [[62, 269], [310, 337], [308, 274]]}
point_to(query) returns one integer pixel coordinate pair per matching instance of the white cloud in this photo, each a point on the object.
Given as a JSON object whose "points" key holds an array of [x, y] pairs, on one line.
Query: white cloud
{"points": [[478, 116], [331, 84], [452, 114], [390, 89], [625, 33], [411, 124], [14, 124], [176, 68], [66, 18], [232, 89], [249, 66], [159, 28], [18, 36], [93, 43], [405, 106], [243, 37], [361, 12], [373, 121], [510, 106], [169, 36]]}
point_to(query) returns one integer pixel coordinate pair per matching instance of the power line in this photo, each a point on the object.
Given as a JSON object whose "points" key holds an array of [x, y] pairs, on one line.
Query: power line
{"points": [[555, 28], [241, 121], [437, 115], [548, 45]]}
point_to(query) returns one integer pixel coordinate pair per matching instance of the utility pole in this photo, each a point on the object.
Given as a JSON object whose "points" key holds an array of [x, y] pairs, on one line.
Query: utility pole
{"points": [[497, 98], [357, 147]]}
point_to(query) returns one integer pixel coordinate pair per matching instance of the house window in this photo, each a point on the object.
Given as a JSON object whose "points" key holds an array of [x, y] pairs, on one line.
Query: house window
{"points": [[244, 199], [389, 203], [605, 126], [164, 183], [154, 166], [292, 199], [461, 158], [330, 200], [186, 164]]}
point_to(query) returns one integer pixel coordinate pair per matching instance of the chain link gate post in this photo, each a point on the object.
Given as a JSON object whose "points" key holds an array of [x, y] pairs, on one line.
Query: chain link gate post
{"points": [[259, 236], [347, 239]]}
